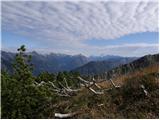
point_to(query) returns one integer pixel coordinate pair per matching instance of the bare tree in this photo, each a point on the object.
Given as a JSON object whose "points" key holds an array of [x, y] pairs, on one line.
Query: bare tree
{"points": [[89, 85], [64, 90]]}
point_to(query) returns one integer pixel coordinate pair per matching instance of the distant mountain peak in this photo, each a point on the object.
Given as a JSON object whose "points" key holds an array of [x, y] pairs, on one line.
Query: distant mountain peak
{"points": [[34, 52]]}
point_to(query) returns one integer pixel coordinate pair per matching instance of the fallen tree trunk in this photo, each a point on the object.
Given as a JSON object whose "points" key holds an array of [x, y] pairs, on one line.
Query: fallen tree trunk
{"points": [[67, 115]]}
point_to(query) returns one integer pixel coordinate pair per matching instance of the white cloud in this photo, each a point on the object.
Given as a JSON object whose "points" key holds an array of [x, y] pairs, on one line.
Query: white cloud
{"points": [[137, 49], [67, 24]]}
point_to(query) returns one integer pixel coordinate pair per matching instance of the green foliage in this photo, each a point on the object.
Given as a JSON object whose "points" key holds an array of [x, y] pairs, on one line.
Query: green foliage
{"points": [[22, 67], [45, 76], [70, 77], [20, 97]]}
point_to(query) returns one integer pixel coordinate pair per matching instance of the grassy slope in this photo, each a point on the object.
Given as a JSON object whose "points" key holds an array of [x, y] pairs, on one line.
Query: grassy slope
{"points": [[127, 102]]}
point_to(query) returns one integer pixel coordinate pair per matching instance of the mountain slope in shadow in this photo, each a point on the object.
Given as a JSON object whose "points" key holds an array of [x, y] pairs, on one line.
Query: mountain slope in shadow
{"points": [[97, 67], [136, 65]]}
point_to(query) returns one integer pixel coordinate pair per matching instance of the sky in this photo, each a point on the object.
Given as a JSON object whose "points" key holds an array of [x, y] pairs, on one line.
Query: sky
{"points": [[81, 27]]}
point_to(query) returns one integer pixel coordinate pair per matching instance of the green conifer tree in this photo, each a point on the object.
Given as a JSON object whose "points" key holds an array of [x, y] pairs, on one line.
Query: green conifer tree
{"points": [[21, 98]]}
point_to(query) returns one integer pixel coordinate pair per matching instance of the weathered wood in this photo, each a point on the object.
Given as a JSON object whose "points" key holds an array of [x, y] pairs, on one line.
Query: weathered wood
{"points": [[96, 92], [67, 115], [66, 91], [144, 90], [97, 85], [112, 83]]}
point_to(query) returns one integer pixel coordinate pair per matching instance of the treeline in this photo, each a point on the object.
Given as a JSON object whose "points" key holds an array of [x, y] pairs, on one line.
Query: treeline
{"points": [[26, 96]]}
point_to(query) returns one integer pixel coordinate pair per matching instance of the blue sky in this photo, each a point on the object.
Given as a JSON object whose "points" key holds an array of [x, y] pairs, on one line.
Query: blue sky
{"points": [[89, 28], [13, 41], [143, 37]]}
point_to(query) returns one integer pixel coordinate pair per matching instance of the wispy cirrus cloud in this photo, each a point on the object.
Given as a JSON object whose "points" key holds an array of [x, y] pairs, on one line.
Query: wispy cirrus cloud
{"points": [[68, 24]]}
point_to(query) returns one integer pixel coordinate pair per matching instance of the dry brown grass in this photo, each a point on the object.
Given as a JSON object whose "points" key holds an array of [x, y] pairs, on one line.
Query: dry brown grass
{"points": [[119, 80], [114, 105]]}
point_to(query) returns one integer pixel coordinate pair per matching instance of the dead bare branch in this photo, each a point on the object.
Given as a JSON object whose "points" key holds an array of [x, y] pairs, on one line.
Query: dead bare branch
{"points": [[67, 115], [88, 85], [100, 105], [144, 90], [66, 83], [64, 91], [96, 92], [97, 85]]}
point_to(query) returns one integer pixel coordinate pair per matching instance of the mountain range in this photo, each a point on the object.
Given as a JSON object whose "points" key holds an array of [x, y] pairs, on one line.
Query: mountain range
{"points": [[54, 63]]}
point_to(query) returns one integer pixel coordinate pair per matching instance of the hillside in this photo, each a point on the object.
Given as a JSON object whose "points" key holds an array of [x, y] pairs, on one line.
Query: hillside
{"points": [[138, 64], [97, 67], [127, 102]]}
